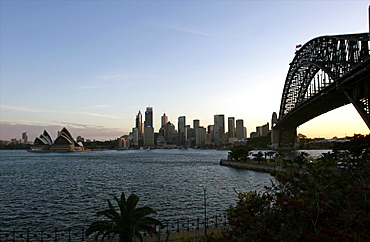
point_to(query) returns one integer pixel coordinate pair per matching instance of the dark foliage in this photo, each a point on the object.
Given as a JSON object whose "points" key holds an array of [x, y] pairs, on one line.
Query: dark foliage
{"points": [[128, 222], [319, 204]]}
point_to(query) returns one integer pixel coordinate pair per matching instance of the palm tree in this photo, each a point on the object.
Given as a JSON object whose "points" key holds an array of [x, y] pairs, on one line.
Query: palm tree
{"points": [[128, 222]]}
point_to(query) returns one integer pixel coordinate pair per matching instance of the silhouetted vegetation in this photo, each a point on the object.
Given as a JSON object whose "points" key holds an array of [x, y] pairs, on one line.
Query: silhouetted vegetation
{"points": [[14, 146], [260, 142], [128, 222], [321, 204], [109, 144]]}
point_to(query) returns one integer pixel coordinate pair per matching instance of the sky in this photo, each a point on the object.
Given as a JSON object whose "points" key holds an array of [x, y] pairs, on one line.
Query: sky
{"points": [[90, 66]]}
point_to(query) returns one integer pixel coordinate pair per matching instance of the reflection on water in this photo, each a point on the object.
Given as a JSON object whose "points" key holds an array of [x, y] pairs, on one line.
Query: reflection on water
{"points": [[48, 190]]}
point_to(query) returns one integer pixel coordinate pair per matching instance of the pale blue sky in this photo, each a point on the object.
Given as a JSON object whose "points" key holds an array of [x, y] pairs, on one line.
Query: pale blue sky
{"points": [[92, 65]]}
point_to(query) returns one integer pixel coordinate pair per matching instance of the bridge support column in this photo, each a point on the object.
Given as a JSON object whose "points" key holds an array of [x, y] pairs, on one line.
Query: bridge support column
{"points": [[284, 138]]}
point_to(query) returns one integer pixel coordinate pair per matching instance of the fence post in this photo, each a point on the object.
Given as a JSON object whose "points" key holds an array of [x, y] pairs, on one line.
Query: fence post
{"points": [[188, 225], [168, 228], [69, 235], [197, 223], [178, 229], [13, 235], [216, 221], [56, 236], [28, 234]]}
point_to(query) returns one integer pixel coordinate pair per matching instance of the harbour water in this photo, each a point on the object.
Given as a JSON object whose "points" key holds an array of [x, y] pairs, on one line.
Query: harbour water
{"points": [[63, 190], [43, 191]]}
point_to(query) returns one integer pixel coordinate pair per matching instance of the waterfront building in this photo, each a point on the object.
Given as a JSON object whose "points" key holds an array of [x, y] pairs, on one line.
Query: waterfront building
{"points": [[25, 137], [123, 144], [196, 123], [80, 139], [170, 133], [181, 130], [201, 137], [135, 137], [210, 133], [139, 122], [240, 129], [274, 119], [219, 128], [148, 127], [265, 129], [164, 120], [231, 127], [261, 131], [148, 136], [148, 117], [253, 135], [190, 136], [63, 143]]}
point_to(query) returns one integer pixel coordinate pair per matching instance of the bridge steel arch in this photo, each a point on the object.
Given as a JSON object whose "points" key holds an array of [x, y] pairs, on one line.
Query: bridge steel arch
{"points": [[326, 73]]}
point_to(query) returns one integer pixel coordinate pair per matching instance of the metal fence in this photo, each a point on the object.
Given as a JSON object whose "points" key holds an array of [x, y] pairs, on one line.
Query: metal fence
{"points": [[78, 233]]}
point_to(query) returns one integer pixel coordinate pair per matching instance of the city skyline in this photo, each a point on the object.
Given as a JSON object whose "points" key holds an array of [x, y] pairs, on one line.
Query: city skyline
{"points": [[90, 66]]}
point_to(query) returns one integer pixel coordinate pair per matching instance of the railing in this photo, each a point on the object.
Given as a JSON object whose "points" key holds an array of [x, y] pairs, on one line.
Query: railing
{"points": [[78, 233]]}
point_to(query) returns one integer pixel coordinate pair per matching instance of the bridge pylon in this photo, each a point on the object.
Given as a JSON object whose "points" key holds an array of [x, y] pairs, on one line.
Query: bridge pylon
{"points": [[284, 138]]}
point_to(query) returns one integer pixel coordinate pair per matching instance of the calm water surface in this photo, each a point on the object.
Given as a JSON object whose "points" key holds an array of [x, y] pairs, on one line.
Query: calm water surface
{"points": [[48, 190]]}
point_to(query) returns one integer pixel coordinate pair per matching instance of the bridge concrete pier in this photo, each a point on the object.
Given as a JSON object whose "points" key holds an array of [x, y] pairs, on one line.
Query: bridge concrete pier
{"points": [[284, 138]]}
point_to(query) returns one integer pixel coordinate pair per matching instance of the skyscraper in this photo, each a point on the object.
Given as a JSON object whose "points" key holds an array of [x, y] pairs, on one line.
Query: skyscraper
{"points": [[219, 128], [148, 117], [138, 122], [231, 126], [148, 127], [25, 137], [181, 130], [240, 129], [139, 128], [164, 120], [196, 123]]}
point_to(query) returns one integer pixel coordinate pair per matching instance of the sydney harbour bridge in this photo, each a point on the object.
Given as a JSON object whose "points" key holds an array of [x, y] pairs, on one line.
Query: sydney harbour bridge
{"points": [[327, 72]]}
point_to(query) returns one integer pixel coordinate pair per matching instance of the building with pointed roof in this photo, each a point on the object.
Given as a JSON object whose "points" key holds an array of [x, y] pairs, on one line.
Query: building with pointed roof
{"points": [[63, 143]]}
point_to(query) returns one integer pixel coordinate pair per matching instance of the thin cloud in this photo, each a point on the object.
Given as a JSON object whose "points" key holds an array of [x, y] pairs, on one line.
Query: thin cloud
{"points": [[53, 111], [86, 87], [117, 76], [187, 30], [107, 76], [14, 129], [97, 106]]}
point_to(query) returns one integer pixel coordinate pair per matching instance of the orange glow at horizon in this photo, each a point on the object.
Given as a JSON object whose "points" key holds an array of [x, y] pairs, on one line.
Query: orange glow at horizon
{"points": [[334, 124]]}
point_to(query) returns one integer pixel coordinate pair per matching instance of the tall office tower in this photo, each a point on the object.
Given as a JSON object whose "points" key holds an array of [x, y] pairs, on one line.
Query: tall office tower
{"points": [[164, 120], [211, 133], [219, 127], [240, 129], [140, 128], [265, 129], [138, 122], [25, 137], [148, 127], [196, 123], [148, 117], [169, 133], [274, 120], [135, 137], [231, 126], [200, 133], [181, 130]]}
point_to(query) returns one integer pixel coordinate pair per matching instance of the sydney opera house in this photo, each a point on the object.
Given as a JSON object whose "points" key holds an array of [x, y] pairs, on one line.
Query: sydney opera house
{"points": [[63, 143]]}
